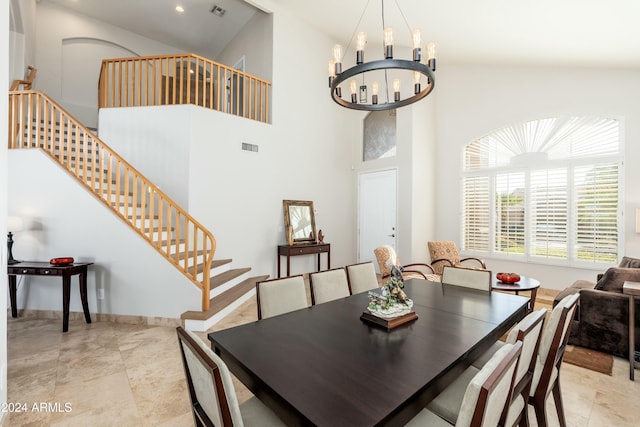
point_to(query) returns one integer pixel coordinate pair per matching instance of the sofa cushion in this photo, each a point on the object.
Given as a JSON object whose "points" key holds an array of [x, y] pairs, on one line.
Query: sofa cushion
{"points": [[613, 279], [574, 288], [628, 262]]}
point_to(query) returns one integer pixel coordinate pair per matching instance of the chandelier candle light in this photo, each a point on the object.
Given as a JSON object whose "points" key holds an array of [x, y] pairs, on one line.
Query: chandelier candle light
{"points": [[367, 72]]}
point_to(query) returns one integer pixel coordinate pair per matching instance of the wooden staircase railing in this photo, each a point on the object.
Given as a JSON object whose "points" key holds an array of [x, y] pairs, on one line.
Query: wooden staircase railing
{"points": [[182, 79], [36, 121], [27, 82]]}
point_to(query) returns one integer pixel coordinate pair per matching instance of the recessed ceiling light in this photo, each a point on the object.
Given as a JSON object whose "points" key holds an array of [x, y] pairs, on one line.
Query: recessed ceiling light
{"points": [[179, 9]]}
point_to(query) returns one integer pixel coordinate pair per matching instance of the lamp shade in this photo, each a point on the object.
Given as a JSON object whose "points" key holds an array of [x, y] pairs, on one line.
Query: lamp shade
{"points": [[15, 223]]}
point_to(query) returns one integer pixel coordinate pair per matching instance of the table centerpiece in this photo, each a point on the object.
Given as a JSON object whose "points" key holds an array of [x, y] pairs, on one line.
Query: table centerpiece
{"points": [[390, 307]]}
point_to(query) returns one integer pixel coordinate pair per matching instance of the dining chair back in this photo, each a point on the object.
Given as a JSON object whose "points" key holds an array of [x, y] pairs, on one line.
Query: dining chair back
{"points": [[362, 277], [213, 397], [279, 296], [328, 285], [445, 252], [488, 393], [485, 395], [448, 403], [529, 332], [467, 277], [386, 257], [546, 376]]}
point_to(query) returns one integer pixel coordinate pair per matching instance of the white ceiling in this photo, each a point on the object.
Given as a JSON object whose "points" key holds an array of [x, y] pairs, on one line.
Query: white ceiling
{"points": [[196, 30], [589, 33]]}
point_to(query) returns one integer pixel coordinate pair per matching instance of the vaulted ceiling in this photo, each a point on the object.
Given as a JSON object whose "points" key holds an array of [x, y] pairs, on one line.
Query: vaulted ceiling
{"points": [[582, 33]]}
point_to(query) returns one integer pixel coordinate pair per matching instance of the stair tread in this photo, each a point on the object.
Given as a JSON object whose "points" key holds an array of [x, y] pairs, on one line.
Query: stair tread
{"points": [[224, 277], [190, 254], [200, 267], [219, 302], [156, 229]]}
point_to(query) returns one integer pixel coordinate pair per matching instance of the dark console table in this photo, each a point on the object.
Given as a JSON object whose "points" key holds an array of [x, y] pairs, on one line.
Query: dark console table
{"points": [[30, 268], [303, 249]]}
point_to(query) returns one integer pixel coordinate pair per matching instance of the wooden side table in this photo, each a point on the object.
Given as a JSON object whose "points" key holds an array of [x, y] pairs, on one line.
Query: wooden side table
{"points": [[303, 249], [30, 268], [633, 290], [523, 285]]}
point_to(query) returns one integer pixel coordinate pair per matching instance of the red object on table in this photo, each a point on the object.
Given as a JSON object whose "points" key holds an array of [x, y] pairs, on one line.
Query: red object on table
{"points": [[508, 277], [61, 261]]}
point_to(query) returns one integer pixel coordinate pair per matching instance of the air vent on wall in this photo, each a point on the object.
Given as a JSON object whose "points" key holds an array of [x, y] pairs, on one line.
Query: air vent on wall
{"points": [[249, 147], [218, 11]]}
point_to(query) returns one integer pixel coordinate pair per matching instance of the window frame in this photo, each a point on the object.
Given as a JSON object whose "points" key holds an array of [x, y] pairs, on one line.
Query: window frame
{"points": [[570, 164]]}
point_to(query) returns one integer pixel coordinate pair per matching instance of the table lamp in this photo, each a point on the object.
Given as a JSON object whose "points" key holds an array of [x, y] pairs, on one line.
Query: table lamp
{"points": [[14, 223]]}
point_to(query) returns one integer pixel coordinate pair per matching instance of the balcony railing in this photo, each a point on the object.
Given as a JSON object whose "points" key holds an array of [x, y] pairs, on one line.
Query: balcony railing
{"points": [[182, 79]]}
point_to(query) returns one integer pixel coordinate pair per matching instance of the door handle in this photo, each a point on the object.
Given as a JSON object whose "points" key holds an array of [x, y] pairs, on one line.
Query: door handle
{"points": [[391, 235]]}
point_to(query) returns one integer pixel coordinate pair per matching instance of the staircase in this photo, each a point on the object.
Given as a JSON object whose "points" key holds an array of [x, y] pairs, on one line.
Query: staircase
{"points": [[36, 121]]}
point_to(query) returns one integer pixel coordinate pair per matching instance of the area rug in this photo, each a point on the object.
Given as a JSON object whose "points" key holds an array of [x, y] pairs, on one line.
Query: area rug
{"points": [[589, 359]]}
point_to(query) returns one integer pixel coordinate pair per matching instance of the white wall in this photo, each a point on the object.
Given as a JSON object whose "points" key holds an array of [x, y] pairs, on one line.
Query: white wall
{"points": [[306, 154], [4, 81], [414, 161], [423, 179], [62, 36], [65, 219], [255, 43], [22, 49], [155, 141], [473, 101]]}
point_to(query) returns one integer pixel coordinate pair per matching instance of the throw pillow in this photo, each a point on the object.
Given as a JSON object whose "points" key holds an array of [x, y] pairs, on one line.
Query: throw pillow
{"points": [[628, 262], [613, 279]]}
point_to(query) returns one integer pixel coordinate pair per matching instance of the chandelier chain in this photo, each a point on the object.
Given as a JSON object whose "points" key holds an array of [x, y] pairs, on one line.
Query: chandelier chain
{"points": [[357, 25], [403, 17], [386, 75]]}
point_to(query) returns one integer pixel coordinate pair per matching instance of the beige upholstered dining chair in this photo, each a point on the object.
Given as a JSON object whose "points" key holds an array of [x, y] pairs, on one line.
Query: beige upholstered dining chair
{"points": [[528, 332], [213, 397], [328, 285], [467, 277], [486, 395], [445, 252], [387, 258], [546, 377], [546, 369], [279, 296], [362, 277]]}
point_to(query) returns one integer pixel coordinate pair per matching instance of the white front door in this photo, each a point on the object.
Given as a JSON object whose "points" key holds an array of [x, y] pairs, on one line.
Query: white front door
{"points": [[377, 202]]}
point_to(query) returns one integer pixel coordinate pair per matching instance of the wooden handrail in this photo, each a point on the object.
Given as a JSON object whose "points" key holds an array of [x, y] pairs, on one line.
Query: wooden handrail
{"points": [[36, 121], [182, 79], [27, 82]]}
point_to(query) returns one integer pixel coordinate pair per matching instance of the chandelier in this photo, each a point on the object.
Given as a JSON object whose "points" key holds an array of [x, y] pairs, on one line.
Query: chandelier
{"points": [[377, 73]]}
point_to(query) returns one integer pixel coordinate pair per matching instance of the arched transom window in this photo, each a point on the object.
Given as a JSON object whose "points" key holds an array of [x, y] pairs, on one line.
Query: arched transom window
{"points": [[545, 190]]}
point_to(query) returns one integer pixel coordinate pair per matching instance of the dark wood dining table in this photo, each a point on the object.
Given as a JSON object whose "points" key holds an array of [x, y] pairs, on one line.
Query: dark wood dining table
{"points": [[324, 366]]}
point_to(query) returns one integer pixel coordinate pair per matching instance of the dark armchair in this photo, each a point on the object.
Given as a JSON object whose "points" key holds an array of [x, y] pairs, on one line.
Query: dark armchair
{"points": [[602, 319]]}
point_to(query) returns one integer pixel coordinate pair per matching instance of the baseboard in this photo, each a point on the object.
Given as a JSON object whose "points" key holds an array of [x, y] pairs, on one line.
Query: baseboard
{"points": [[96, 317]]}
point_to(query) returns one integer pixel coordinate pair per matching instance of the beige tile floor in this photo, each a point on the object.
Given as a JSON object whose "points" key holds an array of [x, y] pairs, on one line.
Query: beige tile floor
{"points": [[111, 374]]}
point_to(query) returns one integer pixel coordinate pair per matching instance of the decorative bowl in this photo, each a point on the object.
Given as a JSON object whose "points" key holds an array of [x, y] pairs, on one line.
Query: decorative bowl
{"points": [[61, 261], [508, 277]]}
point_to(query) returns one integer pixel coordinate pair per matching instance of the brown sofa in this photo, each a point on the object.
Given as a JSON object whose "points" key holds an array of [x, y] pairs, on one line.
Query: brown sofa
{"points": [[601, 321]]}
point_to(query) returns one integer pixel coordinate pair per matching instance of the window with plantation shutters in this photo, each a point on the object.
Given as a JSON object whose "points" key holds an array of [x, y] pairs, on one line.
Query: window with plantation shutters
{"points": [[545, 190]]}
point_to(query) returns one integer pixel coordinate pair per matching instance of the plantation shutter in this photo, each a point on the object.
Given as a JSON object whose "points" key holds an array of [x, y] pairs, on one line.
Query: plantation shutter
{"points": [[476, 213], [510, 212], [596, 206], [549, 213]]}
